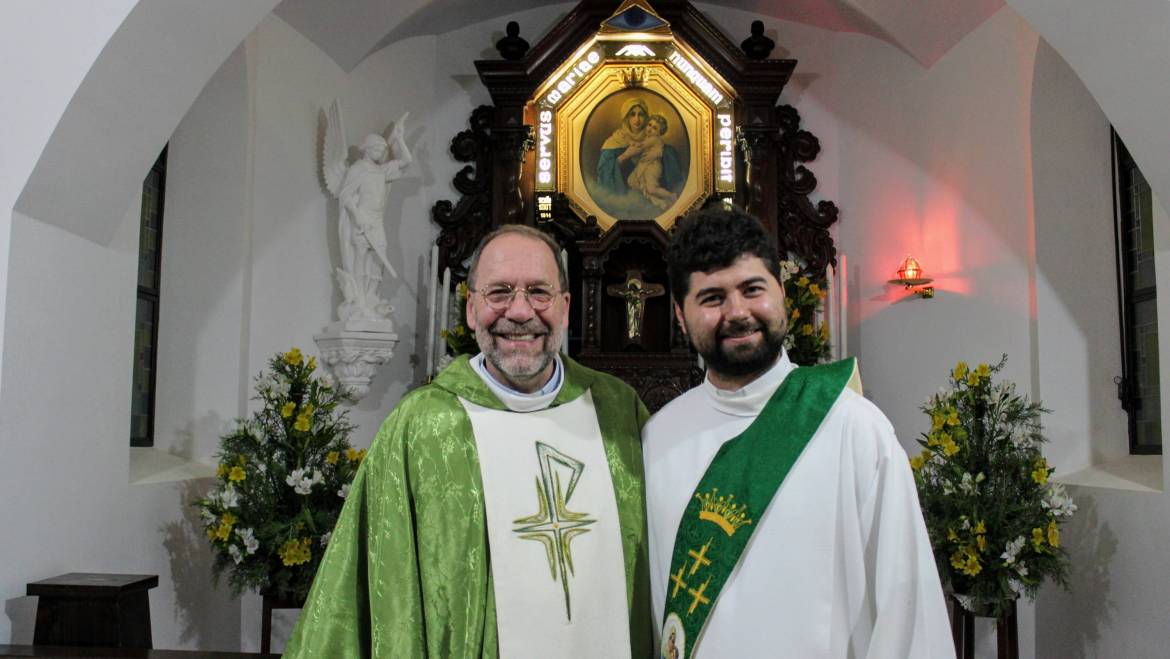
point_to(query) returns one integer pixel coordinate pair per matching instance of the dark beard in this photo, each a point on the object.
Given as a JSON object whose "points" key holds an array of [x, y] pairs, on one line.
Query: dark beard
{"points": [[744, 361]]}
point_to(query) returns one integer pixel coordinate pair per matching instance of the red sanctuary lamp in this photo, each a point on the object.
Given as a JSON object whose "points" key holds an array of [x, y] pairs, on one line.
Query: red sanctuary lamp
{"points": [[910, 276]]}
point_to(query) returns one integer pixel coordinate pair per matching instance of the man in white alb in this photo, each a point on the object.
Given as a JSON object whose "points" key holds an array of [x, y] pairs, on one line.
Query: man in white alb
{"points": [[838, 564]]}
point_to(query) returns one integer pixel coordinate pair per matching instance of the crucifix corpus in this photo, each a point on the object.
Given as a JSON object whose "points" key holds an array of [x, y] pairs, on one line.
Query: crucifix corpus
{"points": [[635, 291]]}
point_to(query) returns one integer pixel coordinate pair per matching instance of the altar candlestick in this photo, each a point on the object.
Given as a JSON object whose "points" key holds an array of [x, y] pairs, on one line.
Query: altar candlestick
{"points": [[843, 306], [831, 317], [445, 307], [434, 289]]}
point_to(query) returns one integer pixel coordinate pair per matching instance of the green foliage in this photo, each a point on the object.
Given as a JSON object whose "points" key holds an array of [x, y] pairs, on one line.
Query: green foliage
{"points": [[807, 341], [992, 516], [281, 481], [459, 337]]}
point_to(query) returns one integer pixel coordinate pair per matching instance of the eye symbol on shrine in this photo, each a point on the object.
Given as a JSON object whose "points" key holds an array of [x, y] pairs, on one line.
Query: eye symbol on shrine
{"points": [[554, 525]]}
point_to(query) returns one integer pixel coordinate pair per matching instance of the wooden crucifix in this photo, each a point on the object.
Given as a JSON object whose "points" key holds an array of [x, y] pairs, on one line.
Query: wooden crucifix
{"points": [[635, 292]]}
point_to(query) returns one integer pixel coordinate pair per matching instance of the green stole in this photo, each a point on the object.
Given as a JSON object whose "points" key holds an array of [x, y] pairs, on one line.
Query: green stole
{"points": [[747, 470]]}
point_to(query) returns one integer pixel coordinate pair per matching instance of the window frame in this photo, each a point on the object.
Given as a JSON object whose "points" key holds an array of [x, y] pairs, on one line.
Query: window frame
{"points": [[152, 295], [1127, 298]]}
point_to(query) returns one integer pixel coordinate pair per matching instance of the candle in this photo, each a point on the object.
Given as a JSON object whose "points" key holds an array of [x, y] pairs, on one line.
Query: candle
{"points": [[830, 313], [843, 305], [565, 332], [445, 306], [434, 289]]}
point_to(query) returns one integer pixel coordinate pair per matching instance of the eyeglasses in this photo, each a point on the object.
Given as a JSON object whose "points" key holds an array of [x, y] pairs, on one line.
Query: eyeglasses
{"points": [[500, 297]]}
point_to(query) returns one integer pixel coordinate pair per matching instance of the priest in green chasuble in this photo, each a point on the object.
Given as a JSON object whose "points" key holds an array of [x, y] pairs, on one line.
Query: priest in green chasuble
{"points": [[783, 517], [500, 510]]}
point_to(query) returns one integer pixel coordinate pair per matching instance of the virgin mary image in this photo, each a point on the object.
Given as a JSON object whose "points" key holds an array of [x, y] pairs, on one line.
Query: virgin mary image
{"points": [[622, 185]]}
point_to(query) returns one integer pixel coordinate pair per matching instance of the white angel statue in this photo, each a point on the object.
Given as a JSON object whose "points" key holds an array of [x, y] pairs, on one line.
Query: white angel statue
{"points": [[362, 189]]}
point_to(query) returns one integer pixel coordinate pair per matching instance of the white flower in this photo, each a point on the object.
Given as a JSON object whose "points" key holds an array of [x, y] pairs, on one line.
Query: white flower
{"points": [[229, 497], [235, 552], [325, 539], [1016, 586], [281, 387], [262, 468], [208, 516], [302, 483], [1058, 502], [344, 491], [1013, 550], [970, 485], [326, 381], [251, 544]]}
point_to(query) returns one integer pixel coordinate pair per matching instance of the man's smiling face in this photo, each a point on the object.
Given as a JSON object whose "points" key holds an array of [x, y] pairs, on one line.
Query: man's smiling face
{"points": [[519, 342], [735, 319]]}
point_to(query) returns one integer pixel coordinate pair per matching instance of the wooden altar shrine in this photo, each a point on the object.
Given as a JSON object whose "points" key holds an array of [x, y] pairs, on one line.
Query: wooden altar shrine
{"points": [[553, 151]]}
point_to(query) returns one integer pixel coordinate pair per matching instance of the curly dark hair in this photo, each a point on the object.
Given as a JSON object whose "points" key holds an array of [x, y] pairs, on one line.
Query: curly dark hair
{"points": [[713, 238]]}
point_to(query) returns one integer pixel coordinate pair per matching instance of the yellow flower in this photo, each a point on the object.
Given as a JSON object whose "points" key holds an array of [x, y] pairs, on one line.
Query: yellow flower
{"points": [[221, 470], [917, 461], [788, 303], [815, 290], [952, 417], [241, 460], [229, 519], [237, 474], [361, 455], [303, 422], [287, 410], [952, 536], [212, 533], [296, 552], [958, 559], [824, 331], [807, 329], [981, 527], [332, 457], [1040, 473], [981, 541], [973, 567], [225, 526], [795, 314], [960, 371], [307, 409], [1053, 534], [937, 421], [312, 363], [1037, 538], [802, 282], [352, 454], [966, 561], [949, 446], [293, 357], [983, 371]]}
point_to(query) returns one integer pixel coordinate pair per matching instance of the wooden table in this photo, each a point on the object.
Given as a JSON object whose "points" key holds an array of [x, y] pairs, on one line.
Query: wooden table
{"points": [[51, 652], [93, 610], [1007, 636]]}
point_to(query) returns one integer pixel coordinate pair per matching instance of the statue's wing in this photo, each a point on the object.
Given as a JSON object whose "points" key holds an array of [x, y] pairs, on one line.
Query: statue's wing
{"points": [[398, 148], [335, 151]]}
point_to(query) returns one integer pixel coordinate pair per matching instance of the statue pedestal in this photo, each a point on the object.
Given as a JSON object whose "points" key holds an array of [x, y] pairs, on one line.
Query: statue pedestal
{"points": [[354, 350]]}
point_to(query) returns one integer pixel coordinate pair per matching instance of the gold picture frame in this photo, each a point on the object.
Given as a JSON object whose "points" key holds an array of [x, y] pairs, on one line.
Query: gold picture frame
{"points": [[660, 177]]}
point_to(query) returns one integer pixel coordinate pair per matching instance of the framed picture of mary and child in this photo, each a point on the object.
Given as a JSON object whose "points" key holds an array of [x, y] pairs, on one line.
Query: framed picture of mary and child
{"points": [[635, 154]]}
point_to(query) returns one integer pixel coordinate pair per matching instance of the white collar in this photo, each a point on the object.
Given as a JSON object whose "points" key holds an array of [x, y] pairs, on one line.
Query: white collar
{"points": [[750, 399], [518, 401]]}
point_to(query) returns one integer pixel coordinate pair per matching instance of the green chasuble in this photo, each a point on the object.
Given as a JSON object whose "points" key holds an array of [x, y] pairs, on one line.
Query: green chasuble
{"points": [[407, 572]]}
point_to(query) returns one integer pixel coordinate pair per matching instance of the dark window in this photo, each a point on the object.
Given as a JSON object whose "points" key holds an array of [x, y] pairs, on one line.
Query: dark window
{"points": [[146, 316], [1138, 303]]}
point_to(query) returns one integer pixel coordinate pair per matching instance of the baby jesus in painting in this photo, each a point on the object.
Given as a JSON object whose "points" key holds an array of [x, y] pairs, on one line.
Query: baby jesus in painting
{"points": [[647, 174]]}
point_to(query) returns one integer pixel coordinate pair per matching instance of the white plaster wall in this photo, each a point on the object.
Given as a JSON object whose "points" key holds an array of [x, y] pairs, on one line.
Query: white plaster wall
{"points": [[934, 161], [46, 87], [1078, 352]]}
